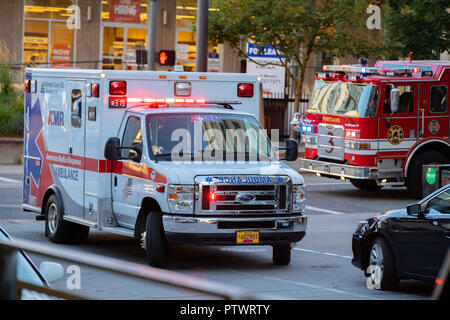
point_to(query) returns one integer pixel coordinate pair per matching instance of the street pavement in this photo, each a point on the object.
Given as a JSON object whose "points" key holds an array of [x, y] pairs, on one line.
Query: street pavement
{"points": [[320, 267]]}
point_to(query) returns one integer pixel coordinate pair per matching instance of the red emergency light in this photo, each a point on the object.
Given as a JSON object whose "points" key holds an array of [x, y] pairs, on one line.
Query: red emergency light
{"points": [[118, 88], [245, 90]]}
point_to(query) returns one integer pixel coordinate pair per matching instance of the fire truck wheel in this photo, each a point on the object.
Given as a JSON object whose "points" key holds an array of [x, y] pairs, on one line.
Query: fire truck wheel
{"points": [[59, 230], [369, 185], [281, 255], [414, 179], [156, 244]]}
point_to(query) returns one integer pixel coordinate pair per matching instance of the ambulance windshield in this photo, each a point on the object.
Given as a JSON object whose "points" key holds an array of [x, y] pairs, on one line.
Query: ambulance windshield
{"points": [[344, 98], [207, 137]]}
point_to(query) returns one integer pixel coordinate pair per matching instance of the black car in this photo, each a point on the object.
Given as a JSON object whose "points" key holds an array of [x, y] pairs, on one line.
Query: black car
{"points": [[409, 243]]}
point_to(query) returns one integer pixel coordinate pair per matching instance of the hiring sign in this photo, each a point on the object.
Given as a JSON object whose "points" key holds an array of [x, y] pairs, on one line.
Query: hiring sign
{"points": [[128, 11]]}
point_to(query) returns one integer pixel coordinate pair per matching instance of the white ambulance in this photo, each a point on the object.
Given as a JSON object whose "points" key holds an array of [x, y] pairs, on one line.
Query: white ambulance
{"points": [[118, 151]]}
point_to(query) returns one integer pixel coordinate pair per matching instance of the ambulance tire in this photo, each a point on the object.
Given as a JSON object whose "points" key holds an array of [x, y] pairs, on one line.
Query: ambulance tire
{"points": [[414, 179], [367, 185], [59, 230], [156, 244], [281, 255]]}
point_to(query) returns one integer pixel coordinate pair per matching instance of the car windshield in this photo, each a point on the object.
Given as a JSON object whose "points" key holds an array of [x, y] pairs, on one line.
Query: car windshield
{"points": [[344, 98], [25, 272], [207, 137]]}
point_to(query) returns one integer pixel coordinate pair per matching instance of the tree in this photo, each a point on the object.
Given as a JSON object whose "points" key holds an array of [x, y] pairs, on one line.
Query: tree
{"points": [[418, 26], [295, 29]]}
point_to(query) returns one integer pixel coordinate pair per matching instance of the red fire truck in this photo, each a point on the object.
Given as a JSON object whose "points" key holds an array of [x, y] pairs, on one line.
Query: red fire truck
{"points": [[378, 126]]}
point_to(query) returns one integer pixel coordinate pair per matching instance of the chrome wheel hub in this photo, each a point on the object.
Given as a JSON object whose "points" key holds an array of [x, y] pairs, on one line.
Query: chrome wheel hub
{"points": [[52, 218]]}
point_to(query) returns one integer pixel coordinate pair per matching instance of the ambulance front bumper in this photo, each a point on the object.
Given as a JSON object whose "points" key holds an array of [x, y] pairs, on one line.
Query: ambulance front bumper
{"points": [[222, 231], [339, 170]]}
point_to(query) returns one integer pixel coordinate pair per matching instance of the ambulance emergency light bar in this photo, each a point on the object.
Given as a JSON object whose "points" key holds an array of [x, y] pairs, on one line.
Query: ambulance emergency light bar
{"points": [[392, 72], [123, 102]]}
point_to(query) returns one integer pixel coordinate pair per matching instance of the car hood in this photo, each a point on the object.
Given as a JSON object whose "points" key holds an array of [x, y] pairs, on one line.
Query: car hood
{"points": [[185, 173]]}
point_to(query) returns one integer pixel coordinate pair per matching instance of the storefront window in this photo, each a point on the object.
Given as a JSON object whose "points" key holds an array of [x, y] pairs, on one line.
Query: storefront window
{"points": [[35, 42], [186, 38], [48, 42], [125, 29], [47, 9]]}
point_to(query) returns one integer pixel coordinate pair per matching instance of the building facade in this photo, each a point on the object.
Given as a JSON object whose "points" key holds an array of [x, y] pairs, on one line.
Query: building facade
{"points": [[102, 34]]}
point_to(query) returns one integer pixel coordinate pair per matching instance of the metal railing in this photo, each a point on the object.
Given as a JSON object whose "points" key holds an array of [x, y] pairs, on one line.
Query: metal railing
{"points": [[10, 287]]}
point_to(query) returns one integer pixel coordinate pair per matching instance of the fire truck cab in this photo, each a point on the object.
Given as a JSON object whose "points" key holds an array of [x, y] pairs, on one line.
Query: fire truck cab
{"points": [[147, 155], [378, 125]]}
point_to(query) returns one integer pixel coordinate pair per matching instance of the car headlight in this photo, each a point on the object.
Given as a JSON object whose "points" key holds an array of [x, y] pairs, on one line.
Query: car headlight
{"points": [[362, 226], [181, 198], [298, 197]]}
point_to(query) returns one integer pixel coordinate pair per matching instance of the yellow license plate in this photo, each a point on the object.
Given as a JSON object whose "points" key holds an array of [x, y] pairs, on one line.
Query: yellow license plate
{"points": [[247, 237]]}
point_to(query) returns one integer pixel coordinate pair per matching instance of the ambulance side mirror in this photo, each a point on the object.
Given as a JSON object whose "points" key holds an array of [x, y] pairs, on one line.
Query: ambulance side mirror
{"points": [[291, 150], [395, 100], [113, 148]]}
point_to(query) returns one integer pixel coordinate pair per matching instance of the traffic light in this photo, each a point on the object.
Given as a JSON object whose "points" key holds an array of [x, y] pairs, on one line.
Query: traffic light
{"points": [[166, 57]]}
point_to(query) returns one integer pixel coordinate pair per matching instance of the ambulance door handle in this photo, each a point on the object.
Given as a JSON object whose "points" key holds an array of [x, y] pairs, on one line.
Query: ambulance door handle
{"points": [[115, 181], [70, 150]]}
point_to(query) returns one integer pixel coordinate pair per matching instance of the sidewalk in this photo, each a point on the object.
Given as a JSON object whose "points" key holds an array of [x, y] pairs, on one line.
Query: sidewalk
{"points": [[11, 169]]}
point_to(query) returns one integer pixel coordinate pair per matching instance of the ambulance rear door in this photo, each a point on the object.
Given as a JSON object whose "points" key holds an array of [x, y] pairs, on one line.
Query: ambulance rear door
{"points": [[71, 176]]}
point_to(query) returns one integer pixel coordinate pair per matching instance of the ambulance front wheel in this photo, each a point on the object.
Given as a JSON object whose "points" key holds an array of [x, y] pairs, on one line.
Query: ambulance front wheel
{"points": [[156, 244], [59, 230], [281, 255]]}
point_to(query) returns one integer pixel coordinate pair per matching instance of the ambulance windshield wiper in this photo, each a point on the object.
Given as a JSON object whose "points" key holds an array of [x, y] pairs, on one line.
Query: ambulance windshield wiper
{"points": [[174, 156]]}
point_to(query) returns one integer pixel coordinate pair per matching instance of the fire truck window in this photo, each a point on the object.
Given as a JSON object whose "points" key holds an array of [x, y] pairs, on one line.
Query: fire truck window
{"points": [[438, 99], [387, 100], [406, 104], [132, 136], [75, 118]]}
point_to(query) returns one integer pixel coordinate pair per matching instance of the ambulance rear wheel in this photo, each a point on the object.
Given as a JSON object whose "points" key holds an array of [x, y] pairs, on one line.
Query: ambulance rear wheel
{"points": [[363, 184], [156, 244], [281, 255], [414, 179], [59, 230]]}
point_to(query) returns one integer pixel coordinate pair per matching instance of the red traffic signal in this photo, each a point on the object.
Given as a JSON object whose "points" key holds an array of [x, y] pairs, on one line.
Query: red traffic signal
{"points": [[166, 57]]}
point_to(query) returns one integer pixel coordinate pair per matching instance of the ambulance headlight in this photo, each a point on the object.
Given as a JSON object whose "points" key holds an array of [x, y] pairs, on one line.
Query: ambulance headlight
{"points": [[181, 198], [298, 198]]}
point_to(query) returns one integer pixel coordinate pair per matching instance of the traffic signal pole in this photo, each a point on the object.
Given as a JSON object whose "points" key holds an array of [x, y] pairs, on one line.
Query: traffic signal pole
{"points": [[201, 59], [152, 39]]}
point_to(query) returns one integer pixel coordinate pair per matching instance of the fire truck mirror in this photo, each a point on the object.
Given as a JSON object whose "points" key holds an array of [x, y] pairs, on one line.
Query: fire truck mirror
{"points": [[112, 149], [395, 99]]}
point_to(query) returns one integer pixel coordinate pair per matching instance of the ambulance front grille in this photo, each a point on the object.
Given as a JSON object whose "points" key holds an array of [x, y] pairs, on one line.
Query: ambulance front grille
{"points": [[264, 198]]}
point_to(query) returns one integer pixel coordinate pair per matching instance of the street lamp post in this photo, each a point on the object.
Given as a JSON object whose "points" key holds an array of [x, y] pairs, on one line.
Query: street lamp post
{"points": [[201, 59]]}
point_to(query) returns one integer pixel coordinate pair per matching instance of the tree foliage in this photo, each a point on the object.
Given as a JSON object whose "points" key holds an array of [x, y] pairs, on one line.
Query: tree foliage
{"points": [[295, 28], [418, 26]]}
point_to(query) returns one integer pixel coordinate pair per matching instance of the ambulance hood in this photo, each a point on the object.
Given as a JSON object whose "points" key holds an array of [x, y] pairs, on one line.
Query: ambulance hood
{"points": [[184, 173]]}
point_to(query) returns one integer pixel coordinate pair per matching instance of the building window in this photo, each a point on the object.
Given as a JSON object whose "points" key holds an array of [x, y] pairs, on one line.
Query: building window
{"points": [[48, 42], [186, 38], [125, 29]]}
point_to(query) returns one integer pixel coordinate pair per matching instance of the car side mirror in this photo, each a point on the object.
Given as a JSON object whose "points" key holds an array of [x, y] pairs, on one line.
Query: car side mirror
{"points": [[113, 148], [395, 100], [291, 150], [414, 209]]}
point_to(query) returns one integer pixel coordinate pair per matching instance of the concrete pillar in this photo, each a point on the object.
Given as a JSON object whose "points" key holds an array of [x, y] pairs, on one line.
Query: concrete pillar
{"points": [[87, 38], [11, 34], [166, 28]]}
